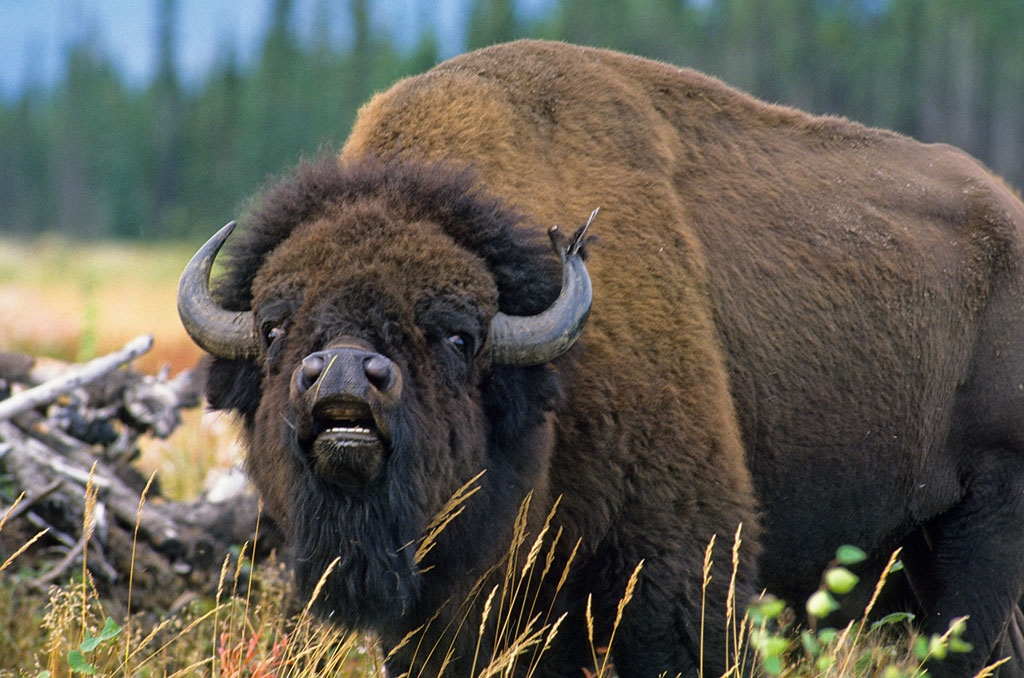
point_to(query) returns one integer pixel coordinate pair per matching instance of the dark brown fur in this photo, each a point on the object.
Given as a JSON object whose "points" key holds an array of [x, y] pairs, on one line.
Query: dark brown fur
{"points": [[824, 316]]}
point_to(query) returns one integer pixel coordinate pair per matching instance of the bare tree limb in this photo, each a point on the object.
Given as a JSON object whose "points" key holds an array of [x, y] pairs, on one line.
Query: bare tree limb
{"points": [[74, 427], [20, 403]]}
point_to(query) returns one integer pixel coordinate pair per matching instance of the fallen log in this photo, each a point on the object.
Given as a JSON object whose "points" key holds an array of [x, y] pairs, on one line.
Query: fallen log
{"points": [[75, 377], [68, 436]]}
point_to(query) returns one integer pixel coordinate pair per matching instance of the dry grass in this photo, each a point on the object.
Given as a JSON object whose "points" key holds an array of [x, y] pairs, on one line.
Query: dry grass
{"points": [[250, 628], [74, 301]]}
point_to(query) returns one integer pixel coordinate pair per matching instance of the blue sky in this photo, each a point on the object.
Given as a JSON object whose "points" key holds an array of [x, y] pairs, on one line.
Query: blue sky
{"points": [[35, 33]]}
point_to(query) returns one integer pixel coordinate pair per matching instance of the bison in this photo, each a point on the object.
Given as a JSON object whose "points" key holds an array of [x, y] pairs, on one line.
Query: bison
{"points": [[795, 326]]}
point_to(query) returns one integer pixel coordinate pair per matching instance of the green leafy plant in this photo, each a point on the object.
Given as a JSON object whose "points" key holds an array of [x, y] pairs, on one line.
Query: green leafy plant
{"points": [[78, 659]]}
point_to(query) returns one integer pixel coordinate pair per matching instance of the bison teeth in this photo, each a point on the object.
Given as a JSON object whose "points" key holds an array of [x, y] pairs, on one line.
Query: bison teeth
{"points": [[355, 433]]}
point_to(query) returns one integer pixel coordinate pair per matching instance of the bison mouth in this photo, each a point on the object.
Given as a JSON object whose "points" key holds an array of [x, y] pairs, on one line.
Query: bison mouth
{"points": [[347, 448]]}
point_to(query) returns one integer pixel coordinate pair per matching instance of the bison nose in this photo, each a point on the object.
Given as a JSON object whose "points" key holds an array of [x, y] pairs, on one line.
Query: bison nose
{"points": [[309, 372], [380, 372], [347, 371]]}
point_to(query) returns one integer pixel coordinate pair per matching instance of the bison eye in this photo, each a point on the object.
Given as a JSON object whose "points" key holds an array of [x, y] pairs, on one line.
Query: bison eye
{"points": [[462, 344], [271, 333]]}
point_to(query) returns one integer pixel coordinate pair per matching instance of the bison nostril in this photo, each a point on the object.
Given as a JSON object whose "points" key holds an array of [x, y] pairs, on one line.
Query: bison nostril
{"points": [[312, 367], [380, 372]]}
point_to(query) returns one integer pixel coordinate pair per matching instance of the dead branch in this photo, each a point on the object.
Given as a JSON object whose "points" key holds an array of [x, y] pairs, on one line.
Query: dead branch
{"points": [[71, 430], [84, 374]]}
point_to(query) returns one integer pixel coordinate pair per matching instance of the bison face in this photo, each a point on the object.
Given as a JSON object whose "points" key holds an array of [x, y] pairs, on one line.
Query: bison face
{"points": [[368, 344], [370, 349], [384, 383]]}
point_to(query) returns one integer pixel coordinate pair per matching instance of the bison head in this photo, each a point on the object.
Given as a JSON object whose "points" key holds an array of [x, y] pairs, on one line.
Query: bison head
{"points": [[384, 331]]}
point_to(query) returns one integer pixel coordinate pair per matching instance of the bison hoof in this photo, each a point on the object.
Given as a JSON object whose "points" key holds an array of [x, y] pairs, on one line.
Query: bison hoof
{"points": [[348, 457]]}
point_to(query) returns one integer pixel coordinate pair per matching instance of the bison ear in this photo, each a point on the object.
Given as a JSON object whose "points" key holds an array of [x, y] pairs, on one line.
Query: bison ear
{"points": [[233, 385], [537, 339]]}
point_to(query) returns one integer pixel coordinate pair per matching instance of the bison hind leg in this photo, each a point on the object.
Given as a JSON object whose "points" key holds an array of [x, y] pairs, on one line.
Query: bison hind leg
{"points": [[971, 563], [1011, 645]]}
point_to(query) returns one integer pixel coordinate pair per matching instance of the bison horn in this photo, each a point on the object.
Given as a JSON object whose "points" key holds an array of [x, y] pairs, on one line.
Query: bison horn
{"points": [[537, 339], [223, 333]]}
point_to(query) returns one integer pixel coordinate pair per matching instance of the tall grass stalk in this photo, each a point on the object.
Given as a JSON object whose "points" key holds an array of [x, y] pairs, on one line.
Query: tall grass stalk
{"points": [[131, 571], [736, 632], [705, 581], [24, 547], [857, 628], [88, 527], [250, 633]]}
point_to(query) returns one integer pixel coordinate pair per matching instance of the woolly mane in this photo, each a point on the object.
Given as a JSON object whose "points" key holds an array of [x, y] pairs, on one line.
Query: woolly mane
{"points": [[525, 270]]}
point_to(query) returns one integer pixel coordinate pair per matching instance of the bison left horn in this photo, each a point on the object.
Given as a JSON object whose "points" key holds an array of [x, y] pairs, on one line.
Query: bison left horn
{"points": [[537, 339], [226, 334]]}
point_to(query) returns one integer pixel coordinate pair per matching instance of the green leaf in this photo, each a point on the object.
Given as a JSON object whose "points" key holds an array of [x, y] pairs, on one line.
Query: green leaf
{"points": [[892, 671], [810, 643], [821, 604], [959, 645], [110, 630], [921, 648], [958, 626], [840, 580], [824, 663], [772, 665], [850, 555], [827, 635], [937, 647], [78, 664], [774, 646], [765, 609], [90, 643]]}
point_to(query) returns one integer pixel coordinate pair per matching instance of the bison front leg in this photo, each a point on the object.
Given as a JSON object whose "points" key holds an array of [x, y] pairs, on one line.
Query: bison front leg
{"points": [[681, 622], [972, 564]]}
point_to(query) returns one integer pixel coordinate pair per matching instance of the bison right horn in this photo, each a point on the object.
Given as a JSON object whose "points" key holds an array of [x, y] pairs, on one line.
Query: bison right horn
{"points": [[537, 339], [223, 333]]}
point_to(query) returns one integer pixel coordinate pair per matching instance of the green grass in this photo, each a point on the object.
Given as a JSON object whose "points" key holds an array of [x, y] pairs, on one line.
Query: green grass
{"points": [[72, 300]]}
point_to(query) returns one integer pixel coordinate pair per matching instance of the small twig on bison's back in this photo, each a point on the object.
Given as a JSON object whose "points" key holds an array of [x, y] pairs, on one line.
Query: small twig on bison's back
{"points": [[49, 391]]}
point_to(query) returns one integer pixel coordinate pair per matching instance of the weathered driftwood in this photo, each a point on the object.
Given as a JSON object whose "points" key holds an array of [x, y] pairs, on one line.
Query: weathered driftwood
{"points": [[67, 436], [75, 377]]}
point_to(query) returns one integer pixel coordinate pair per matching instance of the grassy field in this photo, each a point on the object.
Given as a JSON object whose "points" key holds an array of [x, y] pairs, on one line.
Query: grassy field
{"points": [[74, 302]]}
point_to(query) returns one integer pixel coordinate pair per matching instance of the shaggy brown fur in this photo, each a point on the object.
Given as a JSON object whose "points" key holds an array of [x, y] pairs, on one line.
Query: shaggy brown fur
{"points": [[803, 310]]}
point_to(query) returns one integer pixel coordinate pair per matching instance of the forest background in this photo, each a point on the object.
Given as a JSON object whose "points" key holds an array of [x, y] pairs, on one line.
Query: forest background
{"points": [[95, 156]]}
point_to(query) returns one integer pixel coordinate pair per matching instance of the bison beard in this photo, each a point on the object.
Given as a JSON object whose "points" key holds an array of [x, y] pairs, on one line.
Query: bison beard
{"points": [[365, 540], [800, 325], [366, 545]]}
